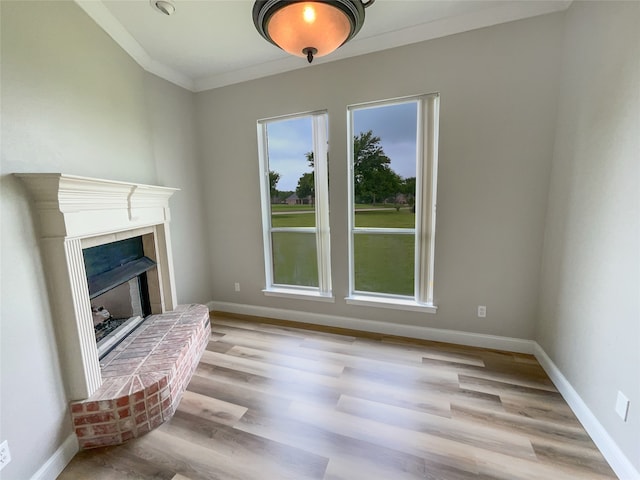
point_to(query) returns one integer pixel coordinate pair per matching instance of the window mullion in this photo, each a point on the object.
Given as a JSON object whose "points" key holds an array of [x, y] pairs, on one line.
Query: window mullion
{"points": [[320, 142]]}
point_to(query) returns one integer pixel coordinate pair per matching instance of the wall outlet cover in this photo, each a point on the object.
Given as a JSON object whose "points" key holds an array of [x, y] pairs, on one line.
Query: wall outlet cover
{"points": [[5, 454]]}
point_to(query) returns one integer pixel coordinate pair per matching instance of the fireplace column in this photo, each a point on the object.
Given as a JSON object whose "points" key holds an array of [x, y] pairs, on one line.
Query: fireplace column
{"points": [[90, 366]]}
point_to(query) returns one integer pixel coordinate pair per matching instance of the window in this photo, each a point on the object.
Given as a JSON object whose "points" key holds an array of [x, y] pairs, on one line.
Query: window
{"points": [[295, 205], [392, 167]]}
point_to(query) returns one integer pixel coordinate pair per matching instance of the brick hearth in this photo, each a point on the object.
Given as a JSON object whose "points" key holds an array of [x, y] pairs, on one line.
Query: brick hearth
{"points": [[143, 378]]}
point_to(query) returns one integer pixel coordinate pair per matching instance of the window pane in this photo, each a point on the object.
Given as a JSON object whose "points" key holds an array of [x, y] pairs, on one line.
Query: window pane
{"points": [[384, 263], [291, 176], [295, 259], [384, 169]]}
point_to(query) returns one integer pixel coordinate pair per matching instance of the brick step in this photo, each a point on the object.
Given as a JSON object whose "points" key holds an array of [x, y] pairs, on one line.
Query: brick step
{"points": [[143, 378]]}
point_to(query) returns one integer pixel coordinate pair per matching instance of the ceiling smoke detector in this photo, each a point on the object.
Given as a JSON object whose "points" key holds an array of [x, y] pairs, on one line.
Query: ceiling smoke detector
{"points": [[163, 6]]}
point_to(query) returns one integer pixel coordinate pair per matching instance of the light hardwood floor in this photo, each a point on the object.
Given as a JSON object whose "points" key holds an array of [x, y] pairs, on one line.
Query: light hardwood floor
{"points": [[271, 402]]}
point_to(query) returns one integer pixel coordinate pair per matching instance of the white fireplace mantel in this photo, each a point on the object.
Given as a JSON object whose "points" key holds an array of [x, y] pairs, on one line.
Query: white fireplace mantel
{"points": [[77, 212]]}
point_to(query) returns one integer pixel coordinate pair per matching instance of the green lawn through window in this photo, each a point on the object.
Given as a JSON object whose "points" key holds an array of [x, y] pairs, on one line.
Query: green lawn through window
{"points": [[384, 263]]}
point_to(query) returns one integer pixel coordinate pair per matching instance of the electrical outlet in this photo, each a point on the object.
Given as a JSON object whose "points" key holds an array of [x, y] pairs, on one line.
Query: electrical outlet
{"points": [[5, 454], [482, 311], [622, 406], [237, 286]]}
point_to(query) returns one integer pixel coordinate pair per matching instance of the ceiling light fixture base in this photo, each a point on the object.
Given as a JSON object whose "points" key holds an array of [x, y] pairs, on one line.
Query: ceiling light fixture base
{"points": [[309, 52]]}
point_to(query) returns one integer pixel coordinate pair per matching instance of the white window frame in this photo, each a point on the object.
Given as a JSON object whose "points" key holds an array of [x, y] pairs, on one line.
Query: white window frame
{"points": [[424, 231], [323, 292]]}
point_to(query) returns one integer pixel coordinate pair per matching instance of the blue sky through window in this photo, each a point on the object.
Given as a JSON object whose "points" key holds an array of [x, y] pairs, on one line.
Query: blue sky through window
{"points": [[289, 141], [397, 129]]}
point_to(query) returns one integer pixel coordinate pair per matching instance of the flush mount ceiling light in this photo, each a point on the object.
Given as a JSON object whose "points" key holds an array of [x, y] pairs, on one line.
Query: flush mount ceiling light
{"points": [[309, 28], [163, 6]]}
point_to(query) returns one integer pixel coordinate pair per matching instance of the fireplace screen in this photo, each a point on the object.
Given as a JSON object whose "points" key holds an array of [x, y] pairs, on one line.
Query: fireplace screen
{"points": [[118, 289]]}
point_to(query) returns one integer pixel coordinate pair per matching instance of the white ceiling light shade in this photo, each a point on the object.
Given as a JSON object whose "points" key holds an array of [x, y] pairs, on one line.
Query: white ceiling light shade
{"points": [[309, 28], [163, 6]]}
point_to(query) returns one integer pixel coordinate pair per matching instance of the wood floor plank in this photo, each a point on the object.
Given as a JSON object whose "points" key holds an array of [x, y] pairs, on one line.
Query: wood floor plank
{"points": [[281, 428], [483, 436], [209, 408], [289, 388], [114, 463], [385, 435], [271, 401], [244, 447], [513, 376], [283, 360], [535, 428]]}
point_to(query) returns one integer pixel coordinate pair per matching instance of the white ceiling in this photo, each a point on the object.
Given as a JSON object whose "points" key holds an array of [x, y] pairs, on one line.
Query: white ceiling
{"points": [[211, 43]]}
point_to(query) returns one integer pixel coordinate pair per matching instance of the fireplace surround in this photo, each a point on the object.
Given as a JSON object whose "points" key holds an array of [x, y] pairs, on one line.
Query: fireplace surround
{"points": [[76, 213]]}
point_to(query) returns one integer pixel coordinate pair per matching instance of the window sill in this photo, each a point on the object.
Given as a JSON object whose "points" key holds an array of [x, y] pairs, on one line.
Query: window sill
{"points": [[393, 303], [298, 294]]}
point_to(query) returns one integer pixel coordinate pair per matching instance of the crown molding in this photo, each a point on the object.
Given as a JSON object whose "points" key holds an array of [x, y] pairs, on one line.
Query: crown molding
{"points": [[502, 13], [105, 20]]}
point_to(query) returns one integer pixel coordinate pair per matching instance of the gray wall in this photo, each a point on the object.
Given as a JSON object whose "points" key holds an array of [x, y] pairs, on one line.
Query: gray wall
{"points": [[171, 112], [74, 102], [590, 297], [498, 95]]}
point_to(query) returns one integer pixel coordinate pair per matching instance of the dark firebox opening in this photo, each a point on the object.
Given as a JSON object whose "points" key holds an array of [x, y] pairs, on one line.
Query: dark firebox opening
{"points": [[118, 290], [107, 317]]}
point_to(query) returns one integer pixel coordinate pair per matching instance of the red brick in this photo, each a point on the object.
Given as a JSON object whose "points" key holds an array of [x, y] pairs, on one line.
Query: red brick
{"points": [[122, 401], [84, 432], [154, 411], [76, 408], [94, 418], [152, 389], [168, 412], [166, 402], [106, 429], [125, 425], [139, 407], [137, 396], [152, 400], [124, 412], [105, 405], [91, 406], [101, 441], [144, 428], [126, 436], [142, 418], [156, 422]]}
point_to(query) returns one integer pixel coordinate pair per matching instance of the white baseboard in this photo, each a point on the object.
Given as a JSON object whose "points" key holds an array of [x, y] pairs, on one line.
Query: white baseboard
{"points": [[424, 333], [60, 459], [617, 459]]}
